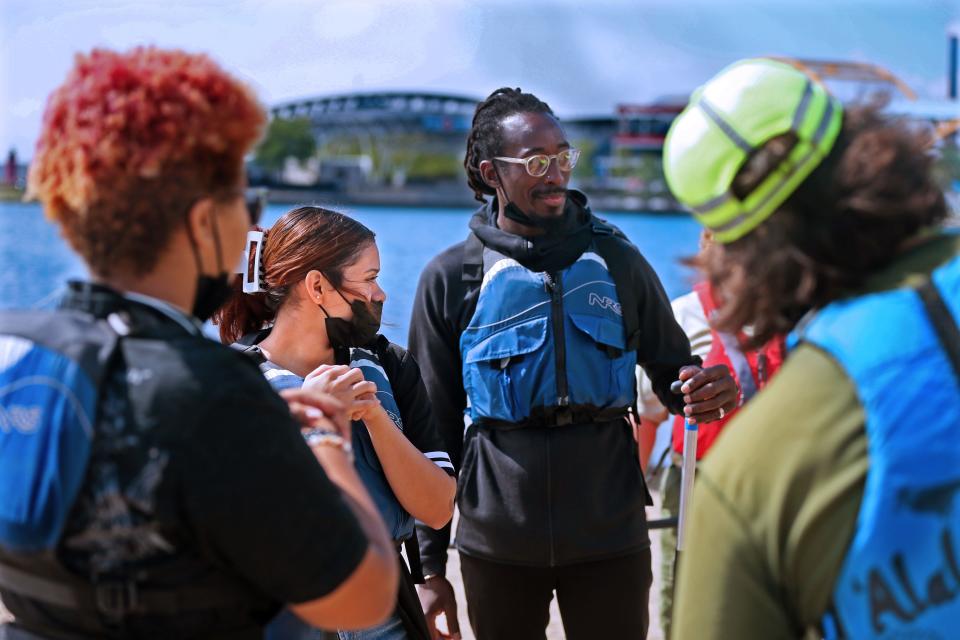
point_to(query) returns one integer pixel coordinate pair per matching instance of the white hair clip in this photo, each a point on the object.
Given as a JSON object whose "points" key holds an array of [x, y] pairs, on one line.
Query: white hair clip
{"points": [[251, 266]]}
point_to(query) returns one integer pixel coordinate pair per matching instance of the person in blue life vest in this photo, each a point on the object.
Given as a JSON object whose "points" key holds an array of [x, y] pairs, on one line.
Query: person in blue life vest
{"points": [[534, 325], [315, 321], [830, 505], [140, 495]]}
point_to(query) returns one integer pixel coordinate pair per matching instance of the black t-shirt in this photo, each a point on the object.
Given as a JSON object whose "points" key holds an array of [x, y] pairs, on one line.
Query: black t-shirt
{"points": [[198, 476]]}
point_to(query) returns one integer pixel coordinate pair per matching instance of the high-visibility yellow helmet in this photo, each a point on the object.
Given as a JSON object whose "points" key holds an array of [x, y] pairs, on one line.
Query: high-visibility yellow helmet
{"points": [[729, 117]]}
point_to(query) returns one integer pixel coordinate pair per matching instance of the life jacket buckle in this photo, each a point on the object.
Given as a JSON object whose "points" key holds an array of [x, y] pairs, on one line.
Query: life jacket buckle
{"points": [[601, 229], [563, 414], [612, 352], [116, 599]]}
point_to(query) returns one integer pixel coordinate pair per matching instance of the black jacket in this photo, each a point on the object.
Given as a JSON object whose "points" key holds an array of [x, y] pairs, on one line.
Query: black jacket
{"points": [[549, 496]]}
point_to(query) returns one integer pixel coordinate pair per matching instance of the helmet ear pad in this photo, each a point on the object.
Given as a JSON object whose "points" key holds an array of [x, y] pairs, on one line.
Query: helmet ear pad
{"points": [[761, 163]]}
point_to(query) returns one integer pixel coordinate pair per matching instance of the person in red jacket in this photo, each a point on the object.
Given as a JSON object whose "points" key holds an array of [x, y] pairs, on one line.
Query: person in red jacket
{"points": [[751, 368]]}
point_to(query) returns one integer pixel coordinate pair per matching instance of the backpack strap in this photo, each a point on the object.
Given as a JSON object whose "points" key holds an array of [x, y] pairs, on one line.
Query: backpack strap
{"points": [[412, 546], [609, 240], [943, 322], [251, 351]]}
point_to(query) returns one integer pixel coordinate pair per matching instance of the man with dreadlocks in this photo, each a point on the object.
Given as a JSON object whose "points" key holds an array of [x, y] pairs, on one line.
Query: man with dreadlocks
{"points": [[535, 325]]}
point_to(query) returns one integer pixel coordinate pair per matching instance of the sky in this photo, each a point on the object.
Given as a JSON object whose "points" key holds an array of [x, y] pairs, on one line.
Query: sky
{"points": [[582, 56]]}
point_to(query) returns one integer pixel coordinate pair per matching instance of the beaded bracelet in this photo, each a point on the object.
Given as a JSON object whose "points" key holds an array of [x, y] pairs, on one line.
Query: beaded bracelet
{"points": [[318, 437]]}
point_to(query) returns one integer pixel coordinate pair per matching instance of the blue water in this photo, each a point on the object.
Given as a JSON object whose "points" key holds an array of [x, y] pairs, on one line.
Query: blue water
{"points": [[35, 261]]}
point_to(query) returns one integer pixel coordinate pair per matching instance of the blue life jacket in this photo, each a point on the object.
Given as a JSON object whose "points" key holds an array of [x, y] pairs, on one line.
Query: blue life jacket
{"points": [[398, 521], [546, 348], [51, 368], [901, 348]]}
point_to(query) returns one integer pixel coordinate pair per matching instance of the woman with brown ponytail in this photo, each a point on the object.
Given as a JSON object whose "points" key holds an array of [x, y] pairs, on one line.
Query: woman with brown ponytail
{"points": [[315, 322]]}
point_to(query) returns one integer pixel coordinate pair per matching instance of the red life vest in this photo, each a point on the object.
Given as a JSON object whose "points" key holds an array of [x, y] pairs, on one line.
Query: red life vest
{"points": [[751, 369]]}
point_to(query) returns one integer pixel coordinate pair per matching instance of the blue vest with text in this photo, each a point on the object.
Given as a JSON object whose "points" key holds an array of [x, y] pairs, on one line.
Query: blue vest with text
{"points": [[51, 369], [901, 575], [547, 348], [398, 521]]}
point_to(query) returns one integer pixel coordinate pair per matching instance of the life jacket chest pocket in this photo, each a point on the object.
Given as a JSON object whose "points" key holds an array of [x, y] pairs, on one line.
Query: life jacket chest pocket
{"points": [[600, 369], [504, 372]]}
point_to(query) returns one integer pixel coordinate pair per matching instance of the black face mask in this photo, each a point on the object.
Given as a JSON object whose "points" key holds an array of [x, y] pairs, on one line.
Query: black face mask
{"points": [[359, 331], [212, 291], [515, 213]]}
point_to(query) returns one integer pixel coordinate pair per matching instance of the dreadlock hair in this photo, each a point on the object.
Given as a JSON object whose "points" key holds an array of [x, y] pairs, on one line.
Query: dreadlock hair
{"points": [[485, 139]]}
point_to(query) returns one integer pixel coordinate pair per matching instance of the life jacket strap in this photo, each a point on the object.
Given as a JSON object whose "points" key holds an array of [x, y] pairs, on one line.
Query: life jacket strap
{"points": [[558, 417], [117, 599], [472, 270], [412, 546], [942, 321]]}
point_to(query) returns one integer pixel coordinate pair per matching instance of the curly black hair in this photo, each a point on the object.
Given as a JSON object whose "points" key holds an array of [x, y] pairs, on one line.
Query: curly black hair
{"points": [[486, 139]]}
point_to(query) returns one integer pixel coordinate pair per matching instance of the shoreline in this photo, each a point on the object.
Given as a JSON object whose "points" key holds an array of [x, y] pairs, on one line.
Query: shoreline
{"points": [[451, 198], [11, 194]]}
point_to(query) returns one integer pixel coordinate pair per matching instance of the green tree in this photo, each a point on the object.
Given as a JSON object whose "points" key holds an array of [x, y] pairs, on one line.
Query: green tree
{"points": [[435, 166], [285, 138]]}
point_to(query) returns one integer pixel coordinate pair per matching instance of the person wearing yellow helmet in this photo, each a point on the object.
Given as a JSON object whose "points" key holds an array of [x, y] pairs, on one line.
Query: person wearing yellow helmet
{"points": [[830, 505]]}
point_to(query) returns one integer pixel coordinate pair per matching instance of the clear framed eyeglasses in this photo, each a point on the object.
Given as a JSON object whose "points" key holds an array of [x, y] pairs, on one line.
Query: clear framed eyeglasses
{"points": [[537, 165]]}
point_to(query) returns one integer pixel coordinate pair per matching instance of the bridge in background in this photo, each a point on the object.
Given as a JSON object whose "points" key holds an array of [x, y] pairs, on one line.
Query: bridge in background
{"points": [[391, 126], [383, 112]]}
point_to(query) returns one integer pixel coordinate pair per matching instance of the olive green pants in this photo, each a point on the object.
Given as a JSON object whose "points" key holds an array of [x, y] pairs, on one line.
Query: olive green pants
{"points": [[669, 507]]}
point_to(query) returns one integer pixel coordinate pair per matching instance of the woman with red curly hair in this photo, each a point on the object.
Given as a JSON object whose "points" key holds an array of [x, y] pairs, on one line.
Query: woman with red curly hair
{"points": [[140, 496]]}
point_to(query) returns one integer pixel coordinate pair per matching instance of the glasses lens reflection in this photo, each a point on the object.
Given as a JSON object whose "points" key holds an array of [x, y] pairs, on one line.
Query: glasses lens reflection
{"points": [[539, 164]]}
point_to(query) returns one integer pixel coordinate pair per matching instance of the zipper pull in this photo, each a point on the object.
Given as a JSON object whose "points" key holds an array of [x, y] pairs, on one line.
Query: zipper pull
{"points": [[550, 282], [563, 401]]}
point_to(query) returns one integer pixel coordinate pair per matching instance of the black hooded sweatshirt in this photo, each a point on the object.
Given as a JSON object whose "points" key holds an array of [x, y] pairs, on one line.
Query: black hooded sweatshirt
{"points": [[539, 496]]}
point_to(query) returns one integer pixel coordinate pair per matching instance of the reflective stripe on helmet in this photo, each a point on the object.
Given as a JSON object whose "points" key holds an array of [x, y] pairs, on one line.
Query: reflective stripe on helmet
{"points": [[728, 119]]}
